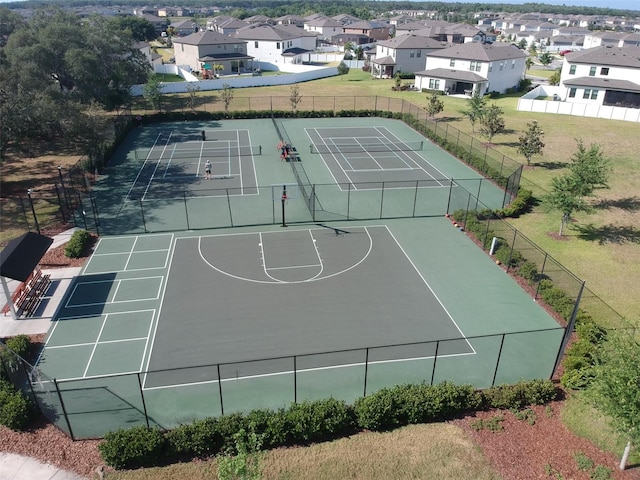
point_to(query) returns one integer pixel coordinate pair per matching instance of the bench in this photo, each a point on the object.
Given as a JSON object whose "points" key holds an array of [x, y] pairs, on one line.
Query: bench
{"points": [[28, 295]]}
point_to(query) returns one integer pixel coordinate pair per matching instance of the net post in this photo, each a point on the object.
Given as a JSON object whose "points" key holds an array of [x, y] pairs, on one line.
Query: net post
{"points": [[220, 390], [366, 371], [495, 372], [435, 361], [421, 144], [144, 404], [283, 200]]}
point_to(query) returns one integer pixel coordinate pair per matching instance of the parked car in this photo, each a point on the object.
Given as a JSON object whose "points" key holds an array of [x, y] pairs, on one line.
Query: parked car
{"points": [[564, 52]]}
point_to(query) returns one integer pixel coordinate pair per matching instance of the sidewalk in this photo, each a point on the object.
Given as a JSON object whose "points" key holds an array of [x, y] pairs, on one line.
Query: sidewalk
{"points": [[18, 467], [61, 279]]}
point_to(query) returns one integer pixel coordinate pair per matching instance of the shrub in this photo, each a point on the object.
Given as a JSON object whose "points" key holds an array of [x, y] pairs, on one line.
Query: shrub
{"points": [[320, 420], [519, 395], [15, 410], [529, 271], [133, 448], [519, 205], [77, 243], [20, 344]]}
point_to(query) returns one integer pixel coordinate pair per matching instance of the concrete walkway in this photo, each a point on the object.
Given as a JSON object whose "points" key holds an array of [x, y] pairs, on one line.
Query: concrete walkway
{"points": [[17, 467]]}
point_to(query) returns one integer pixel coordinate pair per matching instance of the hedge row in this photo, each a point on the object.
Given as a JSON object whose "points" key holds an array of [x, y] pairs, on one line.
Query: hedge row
{"points": [[315, 421], [582, 355], [77, 243]]}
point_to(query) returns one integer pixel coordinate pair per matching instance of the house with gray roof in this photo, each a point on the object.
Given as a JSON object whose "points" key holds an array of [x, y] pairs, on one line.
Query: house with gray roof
{"points": [[323, 26], [473, 67], [374, 30], [603, 75], [405, 53], [275, 45], [203, 50]]}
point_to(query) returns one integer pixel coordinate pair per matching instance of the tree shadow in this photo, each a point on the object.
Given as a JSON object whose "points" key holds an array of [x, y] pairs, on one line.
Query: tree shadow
{"points": [[449, 119], [550, 165], [608, 233], [627, 203]]}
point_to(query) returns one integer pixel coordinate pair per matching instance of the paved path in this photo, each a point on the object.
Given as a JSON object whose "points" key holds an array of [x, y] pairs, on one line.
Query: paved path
{"points": [[17, 467]]}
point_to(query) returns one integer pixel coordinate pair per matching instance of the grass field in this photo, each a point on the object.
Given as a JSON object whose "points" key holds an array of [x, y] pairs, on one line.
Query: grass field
{"points": [[434, 451]]}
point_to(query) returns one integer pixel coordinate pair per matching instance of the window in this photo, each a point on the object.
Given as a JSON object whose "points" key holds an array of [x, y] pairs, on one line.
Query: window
{"points": [[475, 66], [604, 71], [434, 84], [255, 45], [490, 66], [592, 71], [501, 65], [513, 64], [277, 45], [452, 63], [587, 93], [572, 92], [412, 53], [418, 53], [572, 70], [594, 94]]}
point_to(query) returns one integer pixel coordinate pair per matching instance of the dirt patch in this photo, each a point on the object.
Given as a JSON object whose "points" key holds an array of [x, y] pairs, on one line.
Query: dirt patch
{"points": [[55, 257]]}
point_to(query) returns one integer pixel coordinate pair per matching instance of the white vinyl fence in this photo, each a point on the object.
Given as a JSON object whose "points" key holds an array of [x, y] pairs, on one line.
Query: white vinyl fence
{"points": [[298, 73], [528, 103]]}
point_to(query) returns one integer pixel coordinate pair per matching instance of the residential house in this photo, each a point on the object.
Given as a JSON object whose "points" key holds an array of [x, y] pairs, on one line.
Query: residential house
{"points": [[376, 31], [325, 27], [259, 19], [295, 20], [559, 43], [203, 50], [353, 38], [160, 24], [184, 27], [630, 40], [602, 39], [603, 75], [274, 45], [346, 19], [405, 53], [473, 67]]}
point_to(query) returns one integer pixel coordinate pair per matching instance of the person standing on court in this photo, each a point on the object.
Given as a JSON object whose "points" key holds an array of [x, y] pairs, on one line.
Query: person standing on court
{"points": [[207, 170]]}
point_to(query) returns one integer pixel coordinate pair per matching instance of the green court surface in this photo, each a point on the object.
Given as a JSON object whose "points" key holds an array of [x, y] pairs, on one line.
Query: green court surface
{"points": [[166, 328], [156, 181], [330, 274]]}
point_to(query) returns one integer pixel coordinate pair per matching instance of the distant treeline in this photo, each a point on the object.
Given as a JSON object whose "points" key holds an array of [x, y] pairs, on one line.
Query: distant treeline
{"points": [[361, 9]]}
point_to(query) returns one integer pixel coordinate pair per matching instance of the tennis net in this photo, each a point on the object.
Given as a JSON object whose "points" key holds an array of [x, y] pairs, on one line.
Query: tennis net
{"points": [[197, 153], [367, 147]]}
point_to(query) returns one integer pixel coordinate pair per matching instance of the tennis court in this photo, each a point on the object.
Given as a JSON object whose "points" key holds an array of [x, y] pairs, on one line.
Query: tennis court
{"points": [[275, 281], [170, 327]]}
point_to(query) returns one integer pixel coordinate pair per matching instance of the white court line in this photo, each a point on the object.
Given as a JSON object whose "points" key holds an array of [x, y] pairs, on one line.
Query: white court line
{"points": [[95, 345], [306, 370], [153, 174], [117, 282], [149, 348], [140, 171], [329, 169], [253, 280], [130, 253], [431, 290]]}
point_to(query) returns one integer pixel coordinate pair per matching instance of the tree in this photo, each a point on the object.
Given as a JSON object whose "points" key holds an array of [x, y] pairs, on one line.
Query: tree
{"points": [[615, 389], [531, 141], [588, 171], [545, 59], [434, 104], [152, 92], [343, 69], [477, 106], [555, 78], [192, 89], [532, 49], [245, 465], [227, 96], [522, 44], [295, 97], [492, 121], [348, 50], [140, 28], [528, 63]]}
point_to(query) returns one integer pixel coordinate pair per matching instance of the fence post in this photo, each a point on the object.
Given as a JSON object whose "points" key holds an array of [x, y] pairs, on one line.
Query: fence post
{"points": [[60, 203], [33, 210], [366, 371], [64, 410], [220, 390], [144, 405], [435, 360], [513, 244], [381, 199], [415, 199], [544, 263], [229, 204], [495, 372], [449, 200], [186, 210], [567, 333], [295, 379], [144, 223]]}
